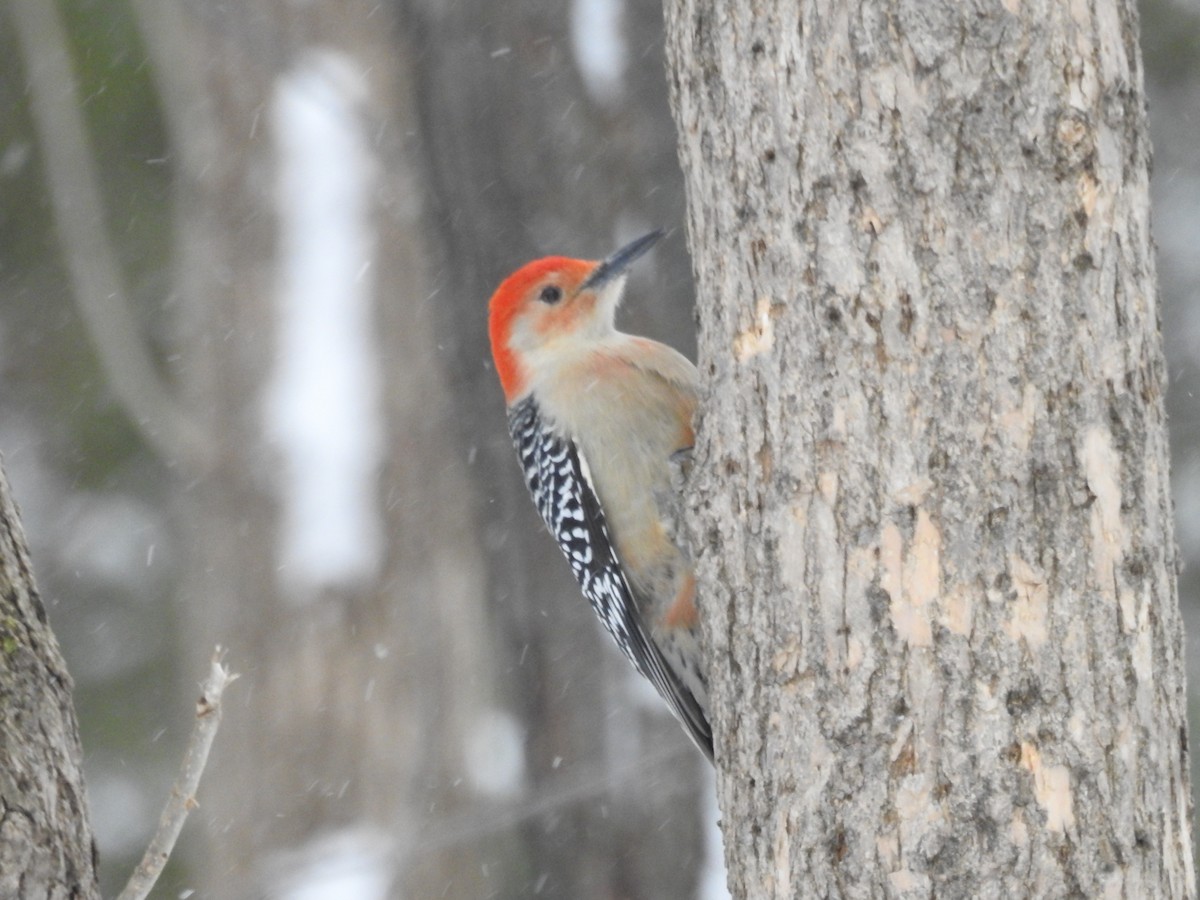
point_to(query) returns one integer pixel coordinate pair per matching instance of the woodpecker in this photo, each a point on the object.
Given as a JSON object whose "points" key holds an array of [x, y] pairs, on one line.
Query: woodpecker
{"points": [[600, 420]]}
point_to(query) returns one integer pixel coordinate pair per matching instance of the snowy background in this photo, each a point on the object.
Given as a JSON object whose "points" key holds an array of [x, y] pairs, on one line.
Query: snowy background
{"points": [[304, 209]]}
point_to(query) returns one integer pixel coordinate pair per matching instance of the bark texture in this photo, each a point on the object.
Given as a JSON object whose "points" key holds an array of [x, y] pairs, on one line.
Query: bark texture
{"points": [[46, 846], [933, 519]]}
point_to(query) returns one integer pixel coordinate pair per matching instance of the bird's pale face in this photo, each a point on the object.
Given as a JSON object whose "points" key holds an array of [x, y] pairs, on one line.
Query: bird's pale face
{"points": [[551, 305], [544, 303], [560, 306]]}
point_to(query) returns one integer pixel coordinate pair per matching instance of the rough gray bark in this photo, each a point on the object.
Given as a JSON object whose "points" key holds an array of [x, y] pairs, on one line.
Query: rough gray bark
{"points": [[934, 528], [46, 845]]}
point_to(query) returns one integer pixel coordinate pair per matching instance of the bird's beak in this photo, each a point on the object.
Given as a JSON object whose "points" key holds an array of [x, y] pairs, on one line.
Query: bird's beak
{"points": [[618, 263]]}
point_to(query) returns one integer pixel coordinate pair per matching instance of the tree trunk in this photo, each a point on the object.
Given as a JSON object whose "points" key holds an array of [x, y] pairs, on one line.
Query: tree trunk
{"points": [[46, 846], [932, 506]]}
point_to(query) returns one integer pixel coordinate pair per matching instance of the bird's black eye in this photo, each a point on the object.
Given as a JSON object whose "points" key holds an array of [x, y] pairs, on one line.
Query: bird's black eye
{"points": [[551, 294]]}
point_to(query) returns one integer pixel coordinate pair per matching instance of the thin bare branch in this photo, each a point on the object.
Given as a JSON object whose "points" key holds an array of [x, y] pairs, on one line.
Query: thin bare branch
{"points": [[183, 791], [79, 214]]}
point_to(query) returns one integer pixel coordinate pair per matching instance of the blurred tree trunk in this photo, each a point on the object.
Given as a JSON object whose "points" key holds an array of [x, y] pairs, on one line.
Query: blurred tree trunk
{"points": [[46, 845], [932, 488], [361, 696], [527, 157]]}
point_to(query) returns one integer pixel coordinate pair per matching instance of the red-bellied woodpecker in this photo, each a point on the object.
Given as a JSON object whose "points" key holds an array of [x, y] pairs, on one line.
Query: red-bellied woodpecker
{"points": [[597, 417]]}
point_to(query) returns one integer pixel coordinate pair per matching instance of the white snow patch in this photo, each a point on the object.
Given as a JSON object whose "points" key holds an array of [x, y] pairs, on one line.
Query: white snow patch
{"points": [[599, 46], [347, 865], [495, 753], [322, 406]]}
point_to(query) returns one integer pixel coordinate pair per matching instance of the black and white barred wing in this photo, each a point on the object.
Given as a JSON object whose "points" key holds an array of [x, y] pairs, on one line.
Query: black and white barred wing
{"points": [[561, 486]]}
